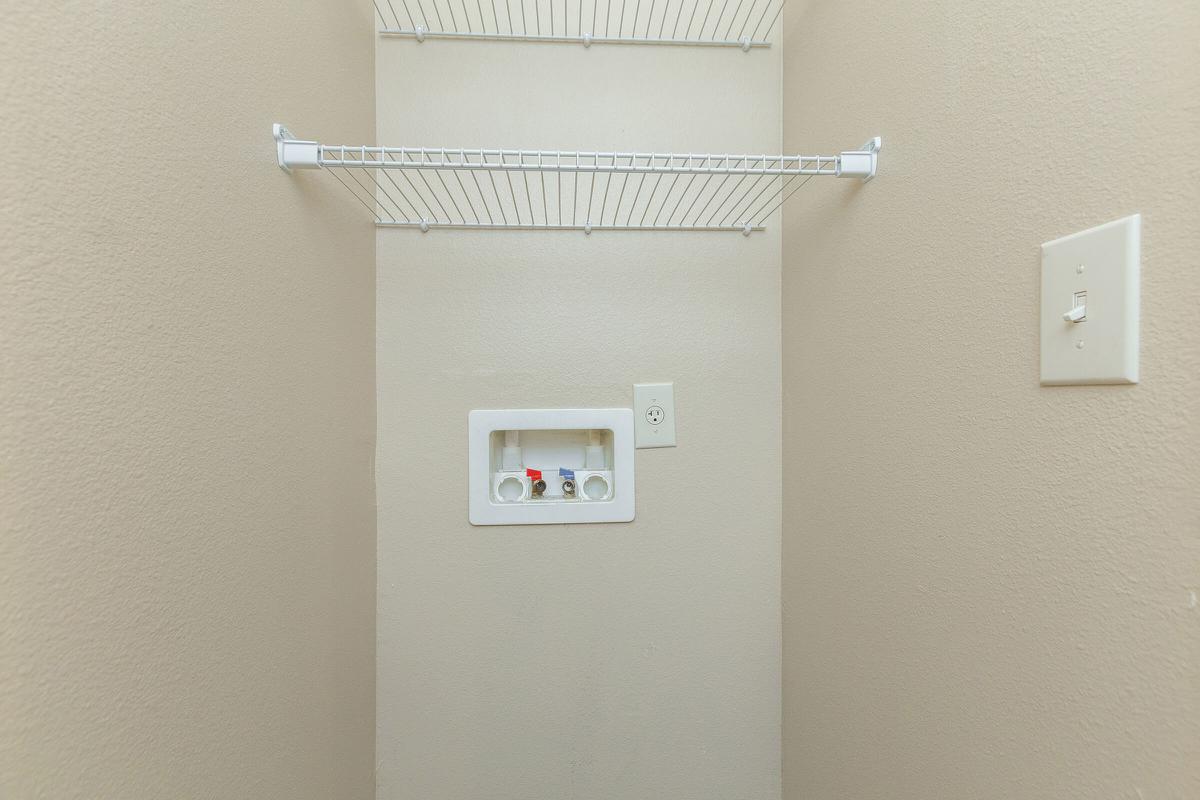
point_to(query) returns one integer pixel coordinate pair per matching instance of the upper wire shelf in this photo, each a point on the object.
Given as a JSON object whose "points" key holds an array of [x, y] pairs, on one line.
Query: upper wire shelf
{"points": [[424, 188], [706, 23]]}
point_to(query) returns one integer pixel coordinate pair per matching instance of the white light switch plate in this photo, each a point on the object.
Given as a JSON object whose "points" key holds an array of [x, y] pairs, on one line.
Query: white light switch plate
{"points": [[654, 414], [1098, 269]]}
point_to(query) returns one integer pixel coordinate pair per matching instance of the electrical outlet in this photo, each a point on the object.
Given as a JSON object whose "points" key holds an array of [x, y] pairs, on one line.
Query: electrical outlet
{"points": [[654, 414]]}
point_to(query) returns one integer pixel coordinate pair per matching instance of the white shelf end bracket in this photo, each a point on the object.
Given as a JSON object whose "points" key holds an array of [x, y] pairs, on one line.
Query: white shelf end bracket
{"points": [[292, 152], [861, 163]]}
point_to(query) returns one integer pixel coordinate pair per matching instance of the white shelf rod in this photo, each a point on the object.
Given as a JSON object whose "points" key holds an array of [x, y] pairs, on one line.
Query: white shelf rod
{"points": [[562, 161], [300, 154], [587, 40], [586, 228]]}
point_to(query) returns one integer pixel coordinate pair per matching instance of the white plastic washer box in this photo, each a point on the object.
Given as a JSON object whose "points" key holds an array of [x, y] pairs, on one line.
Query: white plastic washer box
{"points": [[609, 498]]}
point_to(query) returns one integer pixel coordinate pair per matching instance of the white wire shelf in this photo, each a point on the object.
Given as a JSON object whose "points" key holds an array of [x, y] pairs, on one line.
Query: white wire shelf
{"points": [[705, 23], [426, 188]]}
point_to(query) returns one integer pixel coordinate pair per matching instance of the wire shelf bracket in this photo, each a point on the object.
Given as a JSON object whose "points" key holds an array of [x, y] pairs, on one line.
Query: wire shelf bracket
{"points": [[492, 189], [697, 23]]}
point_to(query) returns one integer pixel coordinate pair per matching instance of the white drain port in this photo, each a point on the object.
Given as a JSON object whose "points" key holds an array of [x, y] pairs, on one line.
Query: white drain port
{"points": [[595, 487]]}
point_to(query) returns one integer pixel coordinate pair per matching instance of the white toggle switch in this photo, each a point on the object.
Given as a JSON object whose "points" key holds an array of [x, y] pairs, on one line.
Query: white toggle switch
{"points": [[654, 414], [1090, 305], [1076, 314]]}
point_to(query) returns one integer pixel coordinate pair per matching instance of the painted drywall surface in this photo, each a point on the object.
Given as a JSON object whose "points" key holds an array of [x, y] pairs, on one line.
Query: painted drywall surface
{"points": [[988, 585], [186, 374], [589, 661]]}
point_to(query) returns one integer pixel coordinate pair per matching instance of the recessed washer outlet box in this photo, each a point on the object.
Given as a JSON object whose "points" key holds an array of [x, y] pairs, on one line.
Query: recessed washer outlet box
{"points": [[550, 466]]}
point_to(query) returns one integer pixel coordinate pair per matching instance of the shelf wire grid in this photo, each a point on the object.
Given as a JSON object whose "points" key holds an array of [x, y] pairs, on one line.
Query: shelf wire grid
{"points": [[708, 23], [553, 190]]}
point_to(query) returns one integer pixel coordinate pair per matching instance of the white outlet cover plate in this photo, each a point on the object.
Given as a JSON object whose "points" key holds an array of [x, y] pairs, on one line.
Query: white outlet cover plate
{"points": [[1104, 262], [482, 510], [654, 414]]}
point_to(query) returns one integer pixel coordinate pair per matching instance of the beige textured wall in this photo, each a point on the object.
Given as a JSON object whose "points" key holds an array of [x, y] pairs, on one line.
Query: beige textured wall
{"points": [[186, 405], [589, 661], [987, 584]]}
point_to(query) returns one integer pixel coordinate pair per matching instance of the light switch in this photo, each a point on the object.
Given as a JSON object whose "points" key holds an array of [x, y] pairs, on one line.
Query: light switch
{"points": [[654, 414], [1090, 305]]}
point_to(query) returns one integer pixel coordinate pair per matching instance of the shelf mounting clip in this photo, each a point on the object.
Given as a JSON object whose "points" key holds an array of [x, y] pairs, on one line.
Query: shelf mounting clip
{"points": [[861, 163], [291, 152]]}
